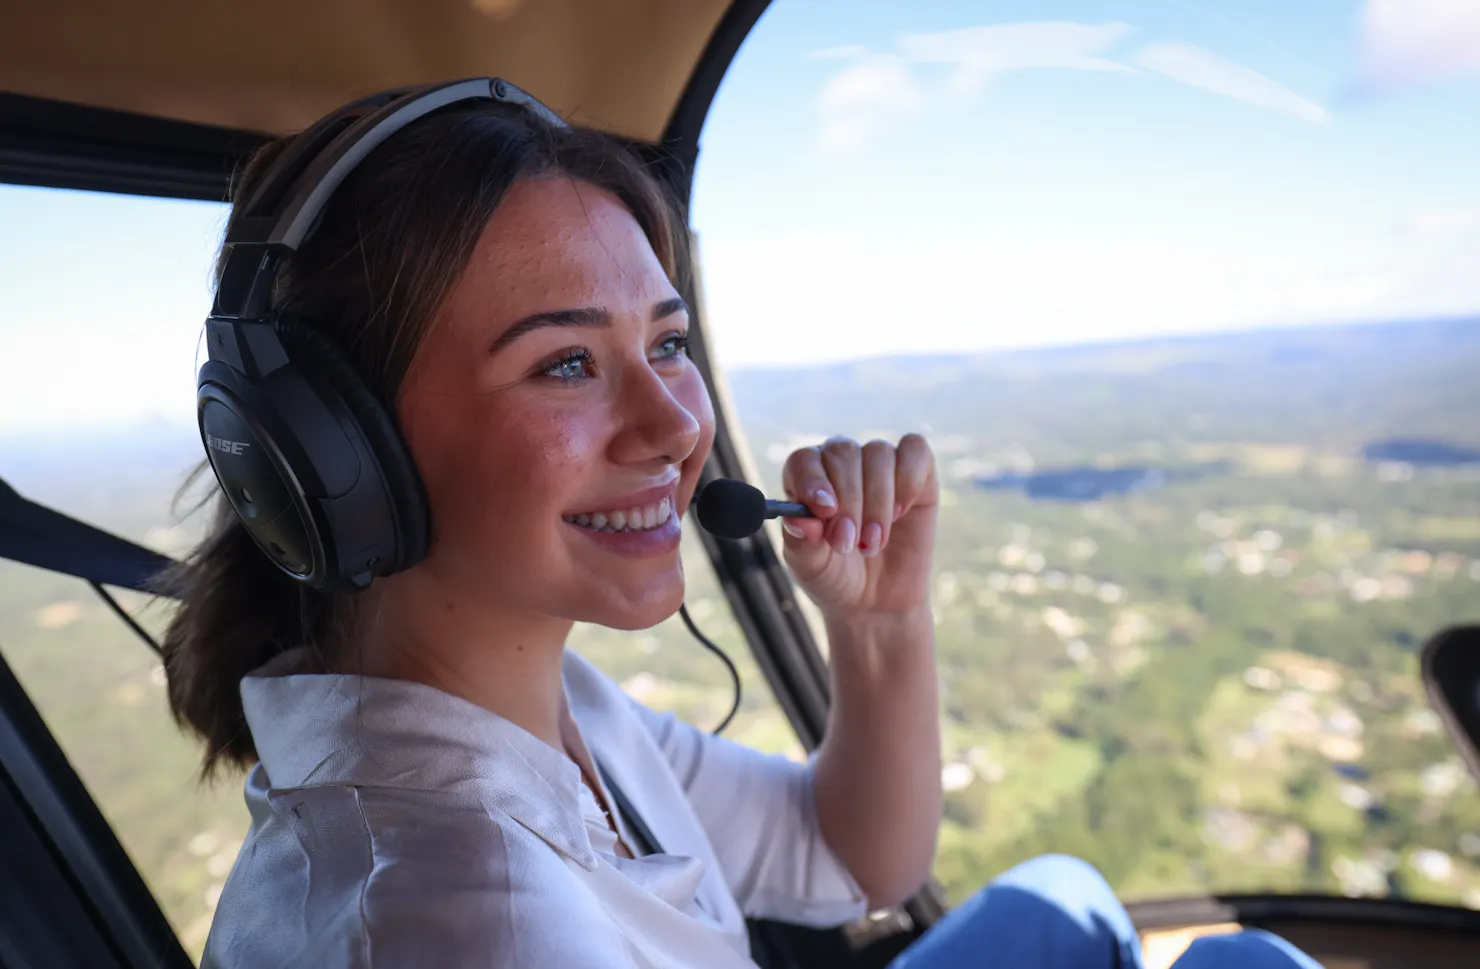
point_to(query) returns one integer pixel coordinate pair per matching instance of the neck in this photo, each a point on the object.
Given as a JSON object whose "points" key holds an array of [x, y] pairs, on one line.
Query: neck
{"points": [[506, 661]]}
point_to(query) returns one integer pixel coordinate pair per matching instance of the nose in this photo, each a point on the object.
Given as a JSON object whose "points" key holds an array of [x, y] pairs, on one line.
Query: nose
{"points": [[653, 424]]}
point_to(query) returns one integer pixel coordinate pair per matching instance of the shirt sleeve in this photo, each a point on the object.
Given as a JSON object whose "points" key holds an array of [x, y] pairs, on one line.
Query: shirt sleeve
{"points": [[760, 816]]}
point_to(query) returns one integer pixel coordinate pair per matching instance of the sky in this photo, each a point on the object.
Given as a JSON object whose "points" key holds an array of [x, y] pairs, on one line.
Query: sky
{"points": [[921, 177]]}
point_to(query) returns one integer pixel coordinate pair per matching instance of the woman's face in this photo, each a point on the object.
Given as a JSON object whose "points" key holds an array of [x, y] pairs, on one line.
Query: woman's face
{"points": [[556, 420]]}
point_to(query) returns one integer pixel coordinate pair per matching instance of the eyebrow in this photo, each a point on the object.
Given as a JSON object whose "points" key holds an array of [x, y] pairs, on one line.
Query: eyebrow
{"points": [[590, 316], [668, 307]]}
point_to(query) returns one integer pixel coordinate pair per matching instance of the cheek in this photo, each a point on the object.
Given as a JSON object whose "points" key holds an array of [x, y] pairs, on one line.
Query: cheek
{"points": [[694, 396], [521, 469], [494, 464]]}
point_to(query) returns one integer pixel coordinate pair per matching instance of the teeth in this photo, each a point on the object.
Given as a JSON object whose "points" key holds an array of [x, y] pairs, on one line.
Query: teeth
{"points": [[631, 519]]}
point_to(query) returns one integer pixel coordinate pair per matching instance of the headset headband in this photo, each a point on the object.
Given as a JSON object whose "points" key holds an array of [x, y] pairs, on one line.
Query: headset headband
{"points": [[284, 210]]}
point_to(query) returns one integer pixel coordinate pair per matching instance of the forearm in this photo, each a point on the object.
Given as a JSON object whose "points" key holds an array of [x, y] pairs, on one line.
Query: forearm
{"points": [[877, 775]]}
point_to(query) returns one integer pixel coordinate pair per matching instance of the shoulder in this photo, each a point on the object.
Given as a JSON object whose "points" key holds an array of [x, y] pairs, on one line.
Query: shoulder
{"points": [[462, 885], [375, 878]]}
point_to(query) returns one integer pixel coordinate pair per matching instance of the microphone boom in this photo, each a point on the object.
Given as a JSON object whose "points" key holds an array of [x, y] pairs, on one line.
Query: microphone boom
{"points": [[735, 510]]}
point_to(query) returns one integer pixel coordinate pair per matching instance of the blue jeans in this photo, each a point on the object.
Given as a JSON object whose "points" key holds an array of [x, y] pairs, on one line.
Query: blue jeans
{"points": [[1057, 912]]}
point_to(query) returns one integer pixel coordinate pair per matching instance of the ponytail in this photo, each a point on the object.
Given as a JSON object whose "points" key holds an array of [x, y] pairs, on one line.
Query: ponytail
{"points": [[238, 611]]}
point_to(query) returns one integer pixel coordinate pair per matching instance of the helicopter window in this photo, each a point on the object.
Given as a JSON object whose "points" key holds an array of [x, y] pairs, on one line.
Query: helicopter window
{"points": [[104, 301], [1188, 302]]}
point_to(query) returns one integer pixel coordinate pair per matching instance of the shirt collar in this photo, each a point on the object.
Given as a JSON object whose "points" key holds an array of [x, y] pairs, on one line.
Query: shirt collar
{"points": [[313, 730]]}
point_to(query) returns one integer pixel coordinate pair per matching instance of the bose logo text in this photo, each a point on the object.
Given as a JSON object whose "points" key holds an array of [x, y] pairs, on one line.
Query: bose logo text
{"points": [[225, 446]]}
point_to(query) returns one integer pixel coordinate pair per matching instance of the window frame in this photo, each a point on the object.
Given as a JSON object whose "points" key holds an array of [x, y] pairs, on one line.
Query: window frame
{"points": [[86, 902]]}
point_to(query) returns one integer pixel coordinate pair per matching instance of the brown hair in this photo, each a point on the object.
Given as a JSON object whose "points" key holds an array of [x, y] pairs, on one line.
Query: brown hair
{"points": [[390, 246]]}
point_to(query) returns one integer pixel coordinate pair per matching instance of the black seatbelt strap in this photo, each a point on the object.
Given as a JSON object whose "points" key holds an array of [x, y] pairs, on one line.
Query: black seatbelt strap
{"points": [[33, 534], [646, 842]]}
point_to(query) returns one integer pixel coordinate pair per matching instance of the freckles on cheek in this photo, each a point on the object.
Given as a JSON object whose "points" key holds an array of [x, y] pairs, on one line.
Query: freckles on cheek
{"points": [[561, 453], [528, 468]]}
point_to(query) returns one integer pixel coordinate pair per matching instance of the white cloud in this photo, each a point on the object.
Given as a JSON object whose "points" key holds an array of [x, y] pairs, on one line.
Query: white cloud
{"points": [[865, 99], [1407, 42], [1447, 284], [998, 292], [976, 54], [1203, 69], [875, 91], [1445, 222]]}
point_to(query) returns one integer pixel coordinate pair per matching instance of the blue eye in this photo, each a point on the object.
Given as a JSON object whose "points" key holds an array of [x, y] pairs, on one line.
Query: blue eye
{"points": [[571, 368], [672, 347]]}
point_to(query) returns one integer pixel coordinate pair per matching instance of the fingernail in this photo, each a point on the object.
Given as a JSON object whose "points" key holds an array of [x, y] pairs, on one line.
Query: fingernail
{"points": [[792, 530], [873, 535], [847, 533], [824, 498]]}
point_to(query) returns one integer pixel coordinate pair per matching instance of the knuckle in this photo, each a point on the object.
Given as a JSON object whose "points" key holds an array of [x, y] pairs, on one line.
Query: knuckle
{"points": [[802, 458], [840, 443], [841, 462]]}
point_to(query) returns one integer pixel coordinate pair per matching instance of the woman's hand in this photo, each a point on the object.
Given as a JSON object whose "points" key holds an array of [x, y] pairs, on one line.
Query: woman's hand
{"points": [[866, 561], [870, 547]]}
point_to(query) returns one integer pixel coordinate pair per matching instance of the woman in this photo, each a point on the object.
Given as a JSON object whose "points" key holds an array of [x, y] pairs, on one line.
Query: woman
{"points": [[425, 789]]}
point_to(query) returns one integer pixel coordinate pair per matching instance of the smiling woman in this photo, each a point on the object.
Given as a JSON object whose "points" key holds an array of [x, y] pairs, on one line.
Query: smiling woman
{"points": [[427, 749], [435, 777], [475, 401]]}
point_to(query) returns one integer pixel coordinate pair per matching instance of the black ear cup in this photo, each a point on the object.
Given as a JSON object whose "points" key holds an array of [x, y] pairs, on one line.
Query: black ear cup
{"points": [[255, 476], [309, 457], [315, 353]]}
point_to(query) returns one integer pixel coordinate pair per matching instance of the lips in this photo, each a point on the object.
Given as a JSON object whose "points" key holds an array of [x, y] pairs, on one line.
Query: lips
{"points": [[638, 525]]}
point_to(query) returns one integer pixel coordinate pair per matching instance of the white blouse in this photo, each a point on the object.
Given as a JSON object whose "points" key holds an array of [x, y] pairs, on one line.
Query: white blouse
{"points": [[395, 825]]}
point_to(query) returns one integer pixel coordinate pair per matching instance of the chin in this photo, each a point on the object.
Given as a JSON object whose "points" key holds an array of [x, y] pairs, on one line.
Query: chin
{"points": [[643, 610]]}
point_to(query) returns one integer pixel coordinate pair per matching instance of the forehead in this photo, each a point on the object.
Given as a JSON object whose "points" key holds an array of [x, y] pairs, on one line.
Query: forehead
{"points": [[554, 243]]}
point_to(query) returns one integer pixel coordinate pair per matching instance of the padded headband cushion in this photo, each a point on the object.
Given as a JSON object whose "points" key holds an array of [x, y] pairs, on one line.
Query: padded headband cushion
{"points": [[407, 495]]}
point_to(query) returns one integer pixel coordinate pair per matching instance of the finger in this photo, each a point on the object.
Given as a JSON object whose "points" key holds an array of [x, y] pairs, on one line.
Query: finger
{"points": [[877, 462], [804, 479], [806, 550], [842, 460], [914, 474]]}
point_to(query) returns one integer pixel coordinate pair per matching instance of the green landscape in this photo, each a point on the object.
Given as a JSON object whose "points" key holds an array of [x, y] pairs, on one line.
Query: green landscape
{"points": [[1180, 593]]}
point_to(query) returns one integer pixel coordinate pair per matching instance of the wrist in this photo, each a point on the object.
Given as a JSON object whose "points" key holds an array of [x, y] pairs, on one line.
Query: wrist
{"points": [[884, 629], [909, 619]]}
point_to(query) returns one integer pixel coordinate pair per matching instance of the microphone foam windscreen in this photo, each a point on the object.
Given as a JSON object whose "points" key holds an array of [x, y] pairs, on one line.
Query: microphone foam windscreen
{"points": [[731, 509]]}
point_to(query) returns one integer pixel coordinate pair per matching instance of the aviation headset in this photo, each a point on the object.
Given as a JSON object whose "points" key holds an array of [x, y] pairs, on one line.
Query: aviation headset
{"points": [[310, 459]]}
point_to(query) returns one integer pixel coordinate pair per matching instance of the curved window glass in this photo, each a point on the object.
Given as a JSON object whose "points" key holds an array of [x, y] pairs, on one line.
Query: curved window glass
{"points": [[1187, 298]]}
